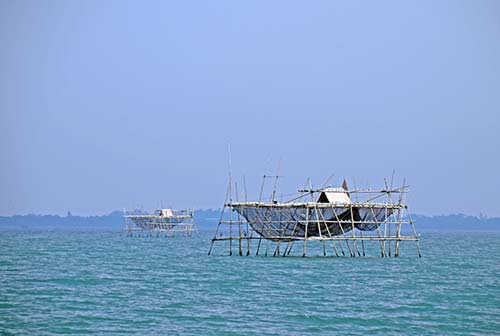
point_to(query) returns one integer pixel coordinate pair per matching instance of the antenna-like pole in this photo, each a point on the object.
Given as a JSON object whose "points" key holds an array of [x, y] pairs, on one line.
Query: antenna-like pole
{"points": [[276, 181], [245, 187], [230, 203], [230, 172], [328, 180]]}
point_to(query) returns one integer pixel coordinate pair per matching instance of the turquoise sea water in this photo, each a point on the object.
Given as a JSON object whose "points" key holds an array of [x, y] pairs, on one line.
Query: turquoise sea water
{"points": [[107, 283]]}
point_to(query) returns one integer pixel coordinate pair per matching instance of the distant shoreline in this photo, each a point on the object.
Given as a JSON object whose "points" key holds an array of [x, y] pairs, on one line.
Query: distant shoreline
{"points": [[206, 220]]}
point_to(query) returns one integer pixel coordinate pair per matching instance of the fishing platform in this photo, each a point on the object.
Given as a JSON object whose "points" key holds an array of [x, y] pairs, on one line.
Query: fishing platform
{"points": [[163, 222], [340, 220]]}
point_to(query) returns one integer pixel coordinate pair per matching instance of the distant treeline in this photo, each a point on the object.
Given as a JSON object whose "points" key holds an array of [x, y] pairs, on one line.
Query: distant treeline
{"points": [[206, 220], [457, 222]]}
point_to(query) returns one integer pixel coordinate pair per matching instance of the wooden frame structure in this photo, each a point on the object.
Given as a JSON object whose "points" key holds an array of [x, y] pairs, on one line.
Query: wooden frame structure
{"points": [[374, 222], [165, 222]]}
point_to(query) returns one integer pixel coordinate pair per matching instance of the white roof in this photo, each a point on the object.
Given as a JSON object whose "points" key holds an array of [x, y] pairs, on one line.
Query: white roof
{"points": [[334, 195], [166, 213]]}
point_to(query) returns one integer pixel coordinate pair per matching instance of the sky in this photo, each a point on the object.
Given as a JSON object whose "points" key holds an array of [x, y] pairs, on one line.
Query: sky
{"points": [[106, 105]]}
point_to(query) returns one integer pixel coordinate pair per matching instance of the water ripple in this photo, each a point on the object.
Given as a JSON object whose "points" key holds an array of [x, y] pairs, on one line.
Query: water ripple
{"points": [[57, 283]]}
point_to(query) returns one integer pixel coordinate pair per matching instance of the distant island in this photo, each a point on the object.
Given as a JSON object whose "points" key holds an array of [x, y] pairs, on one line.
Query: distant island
{"points": [[206, 220]]}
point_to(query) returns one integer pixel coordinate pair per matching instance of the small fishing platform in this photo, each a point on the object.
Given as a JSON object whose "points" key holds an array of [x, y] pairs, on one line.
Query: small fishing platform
{"points": [[163, 222], [346, 220]]}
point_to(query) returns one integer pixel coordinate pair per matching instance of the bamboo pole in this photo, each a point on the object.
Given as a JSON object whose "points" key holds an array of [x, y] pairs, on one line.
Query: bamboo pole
{"points": [[248, 229], [305, 232], [353, 233], [343, 232], [257, 212], [414, 234], [382, 246], [317, 221], [218, 226], [329, 234], [239, 221]]}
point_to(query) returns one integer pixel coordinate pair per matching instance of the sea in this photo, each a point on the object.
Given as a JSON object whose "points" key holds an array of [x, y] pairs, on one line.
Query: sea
{"points": [[105, 283]]}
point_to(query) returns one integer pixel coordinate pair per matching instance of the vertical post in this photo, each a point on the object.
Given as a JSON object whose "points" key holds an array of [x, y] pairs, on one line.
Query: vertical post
{"points": [[385, 233], [362, 242], [269, 223], [398, 229], [191, 227], [127, 229], [248, 234], [382, 246], [317, 218], [260, 235], [230, 207], [360, 231], [239, 220], [353, 233], [305, 231], [257, 212], [389, 238], [277, 250], [230, 228]]}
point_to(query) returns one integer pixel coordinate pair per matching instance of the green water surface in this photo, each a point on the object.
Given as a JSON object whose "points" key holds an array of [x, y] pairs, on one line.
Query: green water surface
{"points": [[57, 283]]}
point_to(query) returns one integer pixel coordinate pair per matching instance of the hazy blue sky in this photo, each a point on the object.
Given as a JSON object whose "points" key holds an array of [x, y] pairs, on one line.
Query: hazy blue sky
{"points": [[109, 104]]}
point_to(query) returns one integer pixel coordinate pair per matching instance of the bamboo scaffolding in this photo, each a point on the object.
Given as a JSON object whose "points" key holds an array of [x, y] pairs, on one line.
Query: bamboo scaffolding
{"points": [[179, 222], [361, 221]]}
